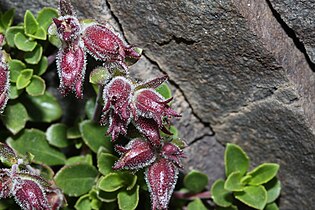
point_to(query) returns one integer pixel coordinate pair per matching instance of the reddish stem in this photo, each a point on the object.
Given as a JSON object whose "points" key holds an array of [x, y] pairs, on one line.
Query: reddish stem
{"points": [[191, 196]]}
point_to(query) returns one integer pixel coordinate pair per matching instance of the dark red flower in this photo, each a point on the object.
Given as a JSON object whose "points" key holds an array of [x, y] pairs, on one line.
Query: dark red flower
{"points": [[68, 28], [29, 195], [5, 183], [173, 153], [136, 154], [103, 44], [150, 129], [71, 65], [55, 198], [150, 104], [116, 125], [161, 178]]}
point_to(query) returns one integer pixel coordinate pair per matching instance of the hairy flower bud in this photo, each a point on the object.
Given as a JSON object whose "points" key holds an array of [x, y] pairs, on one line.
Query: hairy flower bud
{"points": [[71, 65], [5, 183], [161, 178], [4, 78], [136, 155], [68, 28], [55, 198], [116, 125], [29, 195], [150, 129], [150, 104], [105, 45], [173, 153]]}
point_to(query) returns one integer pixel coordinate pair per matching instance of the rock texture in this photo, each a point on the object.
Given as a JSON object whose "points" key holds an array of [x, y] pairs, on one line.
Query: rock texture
{"points": [[234, 66], [299, 16]]}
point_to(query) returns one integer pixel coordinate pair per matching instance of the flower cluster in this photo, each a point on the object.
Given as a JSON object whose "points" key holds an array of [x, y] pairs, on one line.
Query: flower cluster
{"points": [[28, 188], [78, 37], [125, 102], [4, 77]]}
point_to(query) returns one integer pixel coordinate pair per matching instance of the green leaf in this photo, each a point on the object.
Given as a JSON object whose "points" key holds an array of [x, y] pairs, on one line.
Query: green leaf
{"points": [[30, 23], [41, 67], [34, 141], [99, 75], [129, 60], [94, 135], [107, 196], [7, 155], [105, 162], [14, 92], [253, 196], [233, 182], [40, 34], [221, 196], [44, 108], [24, 79], [80, 159], [271, 206], [83, 203], [37, 86], [164, 90], [73, 132], [15, 117], [89, 108], [45, 15], [54, 39], [23, 43], [35, 56], [15, 66], [263, 173], [273, 188], [195, 181], [196, 204], [111, 182], [10, 34], [227, 208], [235, 160], [7, 18], [56, 135], [77, 179], [128, 200]]}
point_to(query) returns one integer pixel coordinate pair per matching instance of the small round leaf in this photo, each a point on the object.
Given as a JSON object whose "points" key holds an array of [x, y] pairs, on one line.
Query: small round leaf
{"points": [[196, 204], [111, 182], [253, 196], [30, 23], [57, 135], [15, 66], [128, 200], [24, 79], [235, 160], [24, 43], [105, 162], [273, 188], [10, 34], [195, 181], [233, 182], [263, 173], [15, 117], [34, 56], [37, 86], [164, 90], [45, 15], [221, 196]]}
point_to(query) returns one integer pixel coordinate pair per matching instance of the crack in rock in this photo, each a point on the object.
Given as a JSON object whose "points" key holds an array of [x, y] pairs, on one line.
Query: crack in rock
{"points": [[178, 40]]}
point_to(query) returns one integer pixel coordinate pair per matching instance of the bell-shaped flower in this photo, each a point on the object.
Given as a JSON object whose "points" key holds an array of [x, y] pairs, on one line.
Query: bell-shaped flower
{"points": [[136, 154], [68, 28], [173, 153], [103, 44], [55, 198], [150, 104], [71, 63], [29, 194], [161, 178], [150, 129], [4, 77], [117, 125], [5, 183]]}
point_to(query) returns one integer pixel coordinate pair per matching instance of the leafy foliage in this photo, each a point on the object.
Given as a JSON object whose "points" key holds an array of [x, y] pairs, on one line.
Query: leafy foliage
{"points": [[258, 188]]}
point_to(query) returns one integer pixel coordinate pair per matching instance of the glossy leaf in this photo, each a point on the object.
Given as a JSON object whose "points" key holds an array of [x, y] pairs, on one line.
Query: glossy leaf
{"points": [[37, 86], [15, 117], [34, 56], [94, 135], [221, 196], [83, 203], [30, 23], [7, 18], [196, 204], [271, 206], [273, 188], [235, 160], [15, 66], [77, 179], [56, 135], [233, 182], [86, 159], [34, 141], [24, 43], [111, 182], [164, 90], [44, 108], [24, 79], [263, 173], [128, 200], [105, 162], [45, 15], [195, 181], [10, 34], [253, 196]]}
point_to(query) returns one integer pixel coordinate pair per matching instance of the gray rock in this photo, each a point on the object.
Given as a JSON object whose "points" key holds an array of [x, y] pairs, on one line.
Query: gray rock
{"points": [[299, 16], [241, 73]]}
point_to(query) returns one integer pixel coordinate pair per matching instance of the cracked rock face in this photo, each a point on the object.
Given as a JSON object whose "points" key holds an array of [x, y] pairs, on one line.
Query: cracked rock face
{"points": [[236, 69], [299, 16]]}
